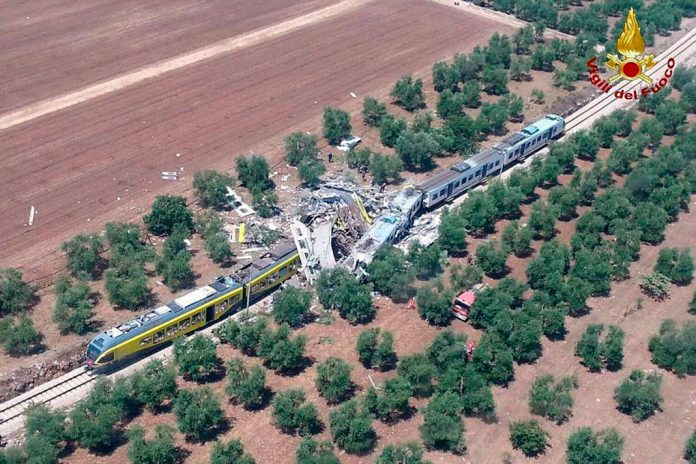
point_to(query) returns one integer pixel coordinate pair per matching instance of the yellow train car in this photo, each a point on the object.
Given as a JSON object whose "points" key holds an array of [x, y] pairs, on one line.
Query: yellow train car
{"points": [[195, 309]]}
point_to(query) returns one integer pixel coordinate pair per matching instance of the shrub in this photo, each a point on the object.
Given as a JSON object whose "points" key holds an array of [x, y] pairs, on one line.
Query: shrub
{"points": [[390, 129], [167, 211], [452, 231], [126, 285], [247, 386], [19, 337], [336, 125], [174, 263], [253, 173], [434, 304], [15, 294], [639, 395], [408, 93], [210, 187], [373, 111], [154, 385], [673, 347], [218, 248], [586, 446], [293, 414], [417, 149], [37, 449], [333, 380], [196, 357], [280, 352], [161, 450], [291, 305], [310, 172], [491, 259], [385, 168], [655, 285], [198, 413], [265, 202], [589, 348], [551, 398], [73, 306], [493, 359], [390, 273], [83, 255], [392, 401], [94, 426], [407, 453], [230, 452], [351, 428], [692, 304], [374, 347], [690, 449], [419, 372], [40, 419], [676, 264], [244, 335], [528, 437], [312, 451], [338, 288], [300, 146], [442, 426]]}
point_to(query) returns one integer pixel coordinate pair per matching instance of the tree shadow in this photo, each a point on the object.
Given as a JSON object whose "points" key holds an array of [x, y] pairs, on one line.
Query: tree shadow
{"points": [[307, 361], [181, 454]]}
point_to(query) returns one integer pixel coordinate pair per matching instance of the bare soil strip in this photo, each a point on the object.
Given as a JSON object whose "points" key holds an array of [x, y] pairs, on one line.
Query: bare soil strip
{"points": [[224, 46]]}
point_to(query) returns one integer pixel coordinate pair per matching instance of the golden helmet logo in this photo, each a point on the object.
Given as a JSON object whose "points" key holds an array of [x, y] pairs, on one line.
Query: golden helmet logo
{"points": [[631, 47]]}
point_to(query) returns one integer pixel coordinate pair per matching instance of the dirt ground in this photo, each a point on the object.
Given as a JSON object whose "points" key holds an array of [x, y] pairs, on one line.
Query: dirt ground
{"points": [[101, 160]]}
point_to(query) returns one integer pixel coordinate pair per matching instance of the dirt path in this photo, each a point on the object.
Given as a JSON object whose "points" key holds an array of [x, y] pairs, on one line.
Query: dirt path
{"points": [[157, 69]]}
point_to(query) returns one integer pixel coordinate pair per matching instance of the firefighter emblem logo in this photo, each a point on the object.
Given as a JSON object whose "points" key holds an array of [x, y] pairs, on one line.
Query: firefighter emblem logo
{"points": [[631, 47]]}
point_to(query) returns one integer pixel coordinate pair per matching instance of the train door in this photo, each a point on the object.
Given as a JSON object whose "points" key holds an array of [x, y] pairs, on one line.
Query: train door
{"points": [[449, 190], [209, 313], [484, 171]]}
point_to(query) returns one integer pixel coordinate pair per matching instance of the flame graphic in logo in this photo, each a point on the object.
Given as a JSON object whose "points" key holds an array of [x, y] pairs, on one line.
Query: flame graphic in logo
{"points": [[631, 46]]}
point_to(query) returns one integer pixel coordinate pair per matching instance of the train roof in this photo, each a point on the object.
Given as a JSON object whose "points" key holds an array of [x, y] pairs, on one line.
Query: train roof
{"points": [[189, 301], [265, 262], [144, 322], [439, 179], [485, 156]]}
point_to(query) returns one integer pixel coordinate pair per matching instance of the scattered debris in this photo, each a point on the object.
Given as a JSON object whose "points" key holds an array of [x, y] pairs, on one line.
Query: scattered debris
{"points": [[236, 202], [353, 95], [32, 212], [169, 175]]}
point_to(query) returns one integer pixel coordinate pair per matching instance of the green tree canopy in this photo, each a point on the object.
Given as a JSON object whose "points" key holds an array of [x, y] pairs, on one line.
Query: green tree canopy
{"points": [[408, 92], [198, 413], [529, 437], [336, 125], [15, 294], [639, 395], [293, 414], [585, 446], [230, 452], [210, 187], [196, 357], [246, 386], [253, 172], [552, 398], [73, 306], [154, 385], [351, 428], [300, 146], [160, 450], [333, 380], [167, 211], [291, 305], [83, 255], [373, 111]]}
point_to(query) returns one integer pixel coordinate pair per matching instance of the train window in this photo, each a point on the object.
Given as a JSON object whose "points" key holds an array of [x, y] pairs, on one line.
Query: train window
{"points": [[108, 358], [456, 184], [284, 271], [145, 341], [497, 162], [172, 329], [196, 318], [159, 336], [442, 192], [183, 325], [478, 173], [275, 275]]}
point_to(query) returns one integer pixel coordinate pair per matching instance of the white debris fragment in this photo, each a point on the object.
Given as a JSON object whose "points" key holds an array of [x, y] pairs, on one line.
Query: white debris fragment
{"points": [[32, 212], [178, 155], [353, 95]]}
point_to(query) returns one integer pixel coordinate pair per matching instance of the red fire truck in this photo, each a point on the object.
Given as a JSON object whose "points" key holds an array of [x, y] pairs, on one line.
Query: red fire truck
{"points": [[464, 302]]}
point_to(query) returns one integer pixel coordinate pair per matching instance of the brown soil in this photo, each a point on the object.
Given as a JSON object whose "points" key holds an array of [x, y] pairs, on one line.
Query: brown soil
{"points": [[100, 160]]}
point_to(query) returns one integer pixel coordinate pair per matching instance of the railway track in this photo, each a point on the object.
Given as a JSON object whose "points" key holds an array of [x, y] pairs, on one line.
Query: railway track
{"points": [[11, 412]]}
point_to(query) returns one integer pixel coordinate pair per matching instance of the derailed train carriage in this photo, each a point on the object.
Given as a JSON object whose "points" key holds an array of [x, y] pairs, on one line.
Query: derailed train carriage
{"points": [[195, 310], [450, 183]]}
